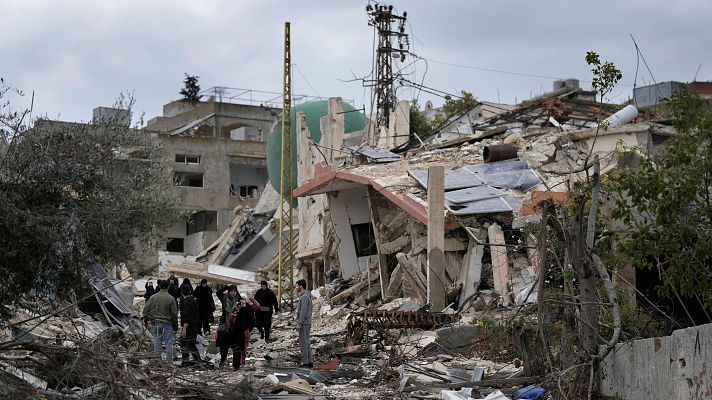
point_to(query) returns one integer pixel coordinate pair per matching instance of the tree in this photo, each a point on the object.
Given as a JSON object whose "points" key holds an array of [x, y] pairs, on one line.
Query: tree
{"points": [[71, 192], [581, 269], [191, 89], [419, 124], [452, 107], [666, 204], [455, 107]]}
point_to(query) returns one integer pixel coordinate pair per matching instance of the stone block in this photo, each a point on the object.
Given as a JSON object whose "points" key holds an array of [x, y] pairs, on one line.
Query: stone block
{"points": [[456, 336]]}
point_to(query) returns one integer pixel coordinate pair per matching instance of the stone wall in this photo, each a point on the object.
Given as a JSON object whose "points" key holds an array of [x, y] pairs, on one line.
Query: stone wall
{"points": [[669, 367]]}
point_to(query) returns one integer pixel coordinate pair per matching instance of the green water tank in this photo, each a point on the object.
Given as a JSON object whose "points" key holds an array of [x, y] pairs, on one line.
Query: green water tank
{"points": [[353, 121]]}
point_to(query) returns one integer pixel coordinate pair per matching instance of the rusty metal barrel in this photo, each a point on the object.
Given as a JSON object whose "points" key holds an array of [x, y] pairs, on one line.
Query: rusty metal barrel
{"points": [[500, 152]]}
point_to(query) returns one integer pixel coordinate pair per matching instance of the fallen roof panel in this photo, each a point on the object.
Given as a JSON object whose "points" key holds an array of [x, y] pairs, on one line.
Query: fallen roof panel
{"points": [[472, 194], [374, 154], [454, 179], [498, 166], [101, 282], [508, 174], [191, 125], [487, 206], [522, 180]]}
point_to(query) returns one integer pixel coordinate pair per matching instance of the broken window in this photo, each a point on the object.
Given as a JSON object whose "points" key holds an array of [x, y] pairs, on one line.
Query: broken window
{"points": [[175, 245], [188, 179], [187, 159], [202, 221], [247, 191], [364, 240]]}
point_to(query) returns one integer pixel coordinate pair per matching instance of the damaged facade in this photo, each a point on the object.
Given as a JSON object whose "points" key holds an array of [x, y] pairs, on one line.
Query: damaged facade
{"points": [[218, 152]]}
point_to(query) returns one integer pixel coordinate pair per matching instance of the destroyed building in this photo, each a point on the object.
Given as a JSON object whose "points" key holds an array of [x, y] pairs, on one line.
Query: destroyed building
{"points": [[363, 210]]}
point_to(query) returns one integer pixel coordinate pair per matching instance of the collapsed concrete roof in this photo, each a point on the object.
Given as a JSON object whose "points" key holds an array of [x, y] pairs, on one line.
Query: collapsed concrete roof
{"points": [[546, 157]]}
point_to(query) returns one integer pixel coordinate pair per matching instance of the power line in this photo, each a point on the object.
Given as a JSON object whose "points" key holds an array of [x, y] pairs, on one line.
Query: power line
{"points": [[503, 71], [305, 79], [640, 54]]}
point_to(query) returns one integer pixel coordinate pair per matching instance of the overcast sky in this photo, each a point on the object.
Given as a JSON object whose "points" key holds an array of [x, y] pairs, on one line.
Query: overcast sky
{"points": [[77, 55]]}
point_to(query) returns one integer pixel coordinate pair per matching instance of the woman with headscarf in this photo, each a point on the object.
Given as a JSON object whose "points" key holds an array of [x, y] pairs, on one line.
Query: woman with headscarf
{"points": [[186, 282], [236, 319]]}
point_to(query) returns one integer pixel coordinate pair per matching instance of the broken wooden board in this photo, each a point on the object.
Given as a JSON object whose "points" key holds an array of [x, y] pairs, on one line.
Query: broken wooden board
{"points": [[470, 274], [412, 273], [395, 287], [500, 262], [395, 245]]}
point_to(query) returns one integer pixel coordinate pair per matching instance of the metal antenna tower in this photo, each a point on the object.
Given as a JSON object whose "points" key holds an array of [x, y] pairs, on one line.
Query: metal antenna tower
{"points": [[382, 18], [286, 204]]}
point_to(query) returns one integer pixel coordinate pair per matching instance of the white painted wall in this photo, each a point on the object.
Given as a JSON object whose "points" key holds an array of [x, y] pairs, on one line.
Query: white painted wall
{"points": [[349, 207]]}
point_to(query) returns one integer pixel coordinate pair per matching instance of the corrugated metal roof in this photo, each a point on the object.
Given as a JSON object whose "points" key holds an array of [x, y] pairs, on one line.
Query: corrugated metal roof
{"points": [[101, 282], [472, 189]]}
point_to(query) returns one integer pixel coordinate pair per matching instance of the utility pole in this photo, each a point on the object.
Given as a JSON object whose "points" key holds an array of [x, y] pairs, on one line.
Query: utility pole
{"points": [[286, 204], [382, 19]]}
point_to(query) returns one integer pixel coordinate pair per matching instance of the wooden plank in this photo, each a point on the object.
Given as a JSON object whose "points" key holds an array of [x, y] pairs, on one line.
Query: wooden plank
{"points": [[395, 245], [500, 262], [382, 260], [453, 265], [471, 272], [237, 221], [395, 287], [436, 238], [454, 244], [412, 274]]}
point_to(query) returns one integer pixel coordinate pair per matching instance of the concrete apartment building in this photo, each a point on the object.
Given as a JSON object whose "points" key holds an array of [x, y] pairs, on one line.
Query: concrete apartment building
{"points": [[218, 150]]}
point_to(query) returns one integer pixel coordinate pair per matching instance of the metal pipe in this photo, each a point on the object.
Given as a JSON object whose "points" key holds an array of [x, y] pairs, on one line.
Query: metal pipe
{"points": [[500, 152]]}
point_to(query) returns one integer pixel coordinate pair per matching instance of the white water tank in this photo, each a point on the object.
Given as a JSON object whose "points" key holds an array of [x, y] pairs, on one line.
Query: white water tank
{"points": [[572, 83], [623, 116]]}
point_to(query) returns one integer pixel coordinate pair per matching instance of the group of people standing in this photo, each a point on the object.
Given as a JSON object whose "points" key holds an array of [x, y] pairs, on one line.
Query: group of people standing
{"points": [[161, 314], [238, 318]]}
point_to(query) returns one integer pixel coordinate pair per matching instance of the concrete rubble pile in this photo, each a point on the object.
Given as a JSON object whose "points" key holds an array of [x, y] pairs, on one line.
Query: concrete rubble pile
{"points": [[364, 226], [390, 319]]}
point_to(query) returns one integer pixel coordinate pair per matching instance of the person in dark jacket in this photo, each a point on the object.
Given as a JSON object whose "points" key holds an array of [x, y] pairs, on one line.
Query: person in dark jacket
{"points": [[186, 282], [150, 290], [190, 326], [268, 305], [204, 296], [173, 291], [172, 279]]}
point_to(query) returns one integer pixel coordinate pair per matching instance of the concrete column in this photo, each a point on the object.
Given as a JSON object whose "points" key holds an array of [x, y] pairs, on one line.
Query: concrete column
{"points": [[401, 123], [336, 115], [436, 238]]}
